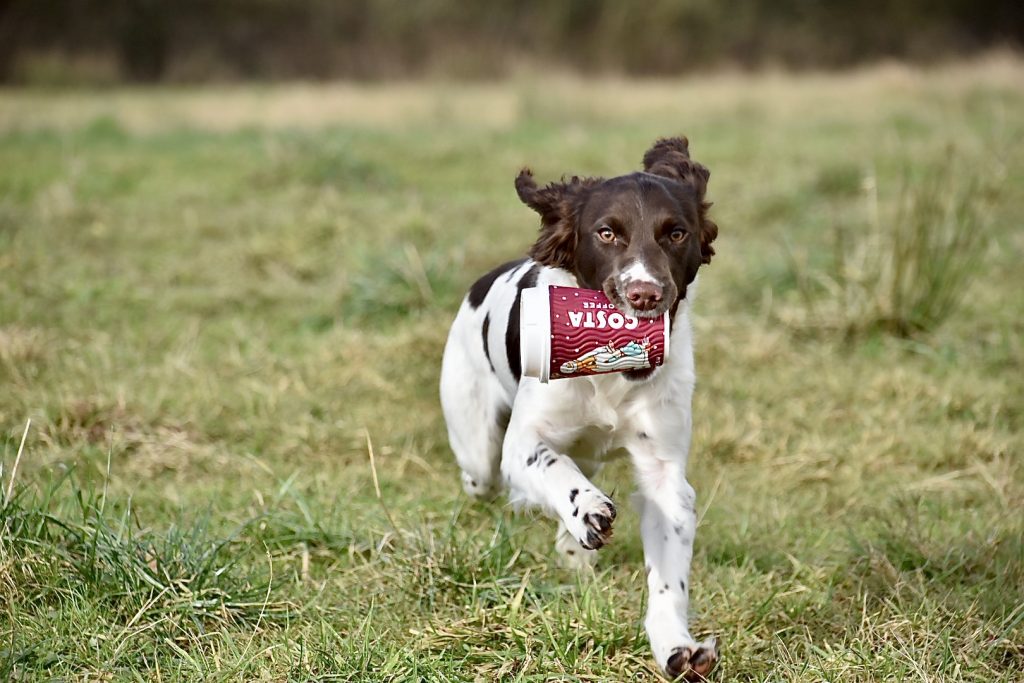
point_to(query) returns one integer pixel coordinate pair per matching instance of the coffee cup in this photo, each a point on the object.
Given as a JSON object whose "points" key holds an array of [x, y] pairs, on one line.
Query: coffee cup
{"points": [[570, 332]]}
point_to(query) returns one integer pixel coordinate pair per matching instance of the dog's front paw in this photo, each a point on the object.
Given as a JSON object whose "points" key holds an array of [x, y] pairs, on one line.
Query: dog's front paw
{"points": [[693, 662], [590, 521]]}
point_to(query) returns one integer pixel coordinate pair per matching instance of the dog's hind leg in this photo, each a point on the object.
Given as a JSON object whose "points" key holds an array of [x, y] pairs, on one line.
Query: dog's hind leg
{"points": [[479, 450], [476, 414], [571, 554]]}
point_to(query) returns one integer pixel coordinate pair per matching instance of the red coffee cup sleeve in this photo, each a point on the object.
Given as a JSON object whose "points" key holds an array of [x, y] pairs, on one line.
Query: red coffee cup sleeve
{"points": [[569, 332]]}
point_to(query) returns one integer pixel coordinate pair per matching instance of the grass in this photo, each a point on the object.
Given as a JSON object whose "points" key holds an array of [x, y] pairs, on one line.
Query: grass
{"points": [[907, 272], [212, 302]]}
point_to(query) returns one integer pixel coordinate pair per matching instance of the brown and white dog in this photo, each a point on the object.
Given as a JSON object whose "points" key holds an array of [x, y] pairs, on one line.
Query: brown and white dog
{"points": [[640, 238]]}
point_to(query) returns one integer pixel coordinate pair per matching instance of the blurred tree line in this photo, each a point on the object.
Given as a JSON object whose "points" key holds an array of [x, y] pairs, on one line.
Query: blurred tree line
{"points": [[196, 40]]}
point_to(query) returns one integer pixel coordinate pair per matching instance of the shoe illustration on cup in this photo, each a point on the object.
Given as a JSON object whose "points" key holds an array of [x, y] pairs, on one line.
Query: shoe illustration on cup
{"points": [[570, 332]]}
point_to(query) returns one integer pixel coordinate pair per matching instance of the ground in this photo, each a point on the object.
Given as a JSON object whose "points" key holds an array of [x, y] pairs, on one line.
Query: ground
{"points": [[217, 303]]}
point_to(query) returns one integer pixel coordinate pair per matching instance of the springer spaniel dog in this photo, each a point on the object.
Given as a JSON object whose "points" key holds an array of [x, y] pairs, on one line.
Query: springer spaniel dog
{"points": [[640, 238]]}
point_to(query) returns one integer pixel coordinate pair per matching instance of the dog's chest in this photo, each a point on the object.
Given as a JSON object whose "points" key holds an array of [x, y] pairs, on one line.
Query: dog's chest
{"points": [[602, 413]]}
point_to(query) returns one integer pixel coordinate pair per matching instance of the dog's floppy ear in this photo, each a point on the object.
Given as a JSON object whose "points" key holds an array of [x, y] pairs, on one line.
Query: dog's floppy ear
{"points": [[670, 158], [558, 205]]}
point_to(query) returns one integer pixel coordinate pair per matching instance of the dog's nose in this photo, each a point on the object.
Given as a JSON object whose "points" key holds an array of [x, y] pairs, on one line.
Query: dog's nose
{"points": [[643, 296]]}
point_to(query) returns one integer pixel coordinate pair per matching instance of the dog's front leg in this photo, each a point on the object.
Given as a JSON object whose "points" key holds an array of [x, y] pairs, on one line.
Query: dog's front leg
{"points": [[538, 474], [667, 525]]}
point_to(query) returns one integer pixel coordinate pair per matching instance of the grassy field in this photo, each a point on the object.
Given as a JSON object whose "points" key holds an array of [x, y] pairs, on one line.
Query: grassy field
{"points": [[215, 304]]}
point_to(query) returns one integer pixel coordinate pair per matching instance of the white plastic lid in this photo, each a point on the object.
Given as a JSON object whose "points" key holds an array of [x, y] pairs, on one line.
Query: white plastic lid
{"points": [[535, 333], [667, 326]]}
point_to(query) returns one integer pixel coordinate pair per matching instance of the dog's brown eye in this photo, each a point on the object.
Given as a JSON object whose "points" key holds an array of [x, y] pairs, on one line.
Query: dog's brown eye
{"points": [[606, 235], [678, 236]]}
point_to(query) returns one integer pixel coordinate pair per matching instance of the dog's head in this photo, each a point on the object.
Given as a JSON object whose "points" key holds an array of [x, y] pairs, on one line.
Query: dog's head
{"points": [[639, 237]]}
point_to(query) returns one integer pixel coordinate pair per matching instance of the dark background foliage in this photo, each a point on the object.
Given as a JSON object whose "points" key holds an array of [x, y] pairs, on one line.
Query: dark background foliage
{"points": [[204, 40]]}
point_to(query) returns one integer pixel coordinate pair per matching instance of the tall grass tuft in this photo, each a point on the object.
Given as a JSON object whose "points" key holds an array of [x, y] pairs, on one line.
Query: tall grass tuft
{"points": [[182, 581], [904, 270]]}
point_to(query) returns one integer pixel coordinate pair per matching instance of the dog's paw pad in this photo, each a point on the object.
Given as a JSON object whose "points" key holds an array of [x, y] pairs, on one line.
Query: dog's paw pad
{"points": [[592, 520], [693, 663]]}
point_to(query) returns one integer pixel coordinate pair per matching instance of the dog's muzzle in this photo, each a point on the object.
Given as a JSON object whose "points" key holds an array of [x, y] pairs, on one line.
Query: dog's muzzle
{"points": [[644, 296]]}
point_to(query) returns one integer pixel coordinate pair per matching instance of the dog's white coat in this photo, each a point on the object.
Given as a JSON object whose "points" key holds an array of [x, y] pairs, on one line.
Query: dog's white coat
{"points": [[581, 423]]}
